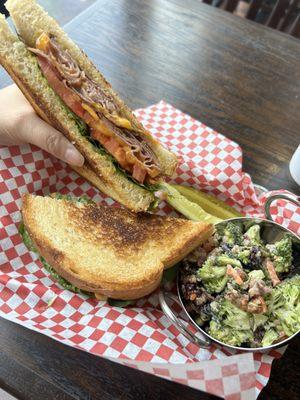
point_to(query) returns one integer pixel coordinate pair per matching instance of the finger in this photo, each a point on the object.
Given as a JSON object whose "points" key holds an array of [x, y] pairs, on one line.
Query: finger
{"points": [[38, 132]]}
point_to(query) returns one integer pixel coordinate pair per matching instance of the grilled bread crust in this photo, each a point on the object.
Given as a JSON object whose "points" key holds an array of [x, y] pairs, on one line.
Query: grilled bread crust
{"points": [[98, 169], [31, 20], [108, 250]]}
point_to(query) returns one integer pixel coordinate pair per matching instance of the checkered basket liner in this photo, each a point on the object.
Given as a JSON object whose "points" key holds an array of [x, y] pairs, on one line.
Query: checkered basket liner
{"points": [[140, 337]]}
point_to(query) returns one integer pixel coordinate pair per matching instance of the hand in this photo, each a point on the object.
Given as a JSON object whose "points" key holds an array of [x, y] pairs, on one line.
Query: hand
{"points": [[20, 124]]}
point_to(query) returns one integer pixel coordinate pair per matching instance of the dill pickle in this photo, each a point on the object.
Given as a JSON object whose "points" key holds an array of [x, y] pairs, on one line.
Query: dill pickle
{"points": [[186, 207], [209, 203]]}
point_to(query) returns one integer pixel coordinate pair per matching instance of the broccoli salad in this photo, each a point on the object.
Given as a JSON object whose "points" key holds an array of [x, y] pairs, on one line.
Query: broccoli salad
{"points": [[242, 291]]}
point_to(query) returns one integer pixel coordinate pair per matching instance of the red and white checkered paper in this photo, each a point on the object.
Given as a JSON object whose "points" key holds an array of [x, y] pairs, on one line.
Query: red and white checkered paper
{"points": [[141, 336]]}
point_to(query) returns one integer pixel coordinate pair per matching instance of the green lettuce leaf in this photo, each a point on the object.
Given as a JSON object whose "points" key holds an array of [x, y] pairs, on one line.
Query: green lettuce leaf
{"points": [[120, 303], [170, 274]]}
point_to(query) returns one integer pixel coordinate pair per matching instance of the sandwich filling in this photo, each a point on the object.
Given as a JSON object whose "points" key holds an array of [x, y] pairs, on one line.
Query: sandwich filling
{"points": [[98, 109]]}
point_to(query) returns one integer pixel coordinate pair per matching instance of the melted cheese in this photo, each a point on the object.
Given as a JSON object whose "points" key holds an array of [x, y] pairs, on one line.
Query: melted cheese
{"points": [[42, 42]]}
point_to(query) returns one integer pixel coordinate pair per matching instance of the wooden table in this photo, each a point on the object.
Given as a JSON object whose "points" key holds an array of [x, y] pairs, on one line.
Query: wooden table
{"points": [[239, 78]]}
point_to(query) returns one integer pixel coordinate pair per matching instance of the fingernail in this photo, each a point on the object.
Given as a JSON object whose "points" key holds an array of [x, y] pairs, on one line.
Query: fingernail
{"points": [[73, 157]]}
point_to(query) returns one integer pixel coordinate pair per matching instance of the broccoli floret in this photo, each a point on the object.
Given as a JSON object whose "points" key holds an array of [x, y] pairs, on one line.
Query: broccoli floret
{"points": [[259, 320], [230, 324], [269, 337], [281, 254], [224, 260], [290, 320], [250, 256], [284, 304], [216, 285], [225, 334], [232, 234], [214, 272], [252, 236], [229, 314], [214, 277], [256, 275], [243, 254], [210, 270]]}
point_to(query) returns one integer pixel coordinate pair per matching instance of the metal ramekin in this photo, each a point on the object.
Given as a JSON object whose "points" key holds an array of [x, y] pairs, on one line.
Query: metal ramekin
{"points": [[271, 231]]}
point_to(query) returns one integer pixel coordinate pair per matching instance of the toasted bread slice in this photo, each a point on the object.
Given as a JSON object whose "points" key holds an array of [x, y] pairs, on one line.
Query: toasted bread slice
{"points": [[99, 170], [108, 250]]}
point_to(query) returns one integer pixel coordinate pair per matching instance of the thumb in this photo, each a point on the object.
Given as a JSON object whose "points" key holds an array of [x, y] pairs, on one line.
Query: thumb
{"points": [[38, 132]]}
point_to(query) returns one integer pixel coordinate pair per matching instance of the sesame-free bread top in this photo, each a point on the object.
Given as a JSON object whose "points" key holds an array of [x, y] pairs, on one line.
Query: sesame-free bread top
{"points": [[108, 250]]}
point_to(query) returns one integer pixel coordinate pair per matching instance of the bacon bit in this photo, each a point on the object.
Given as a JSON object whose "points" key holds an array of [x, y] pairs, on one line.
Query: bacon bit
{"points": [[242, 273], [244, 303], [263, 304], [257, 305], [258, 288], [193, 296], [238, 299], [272, 273], [234, 274]]}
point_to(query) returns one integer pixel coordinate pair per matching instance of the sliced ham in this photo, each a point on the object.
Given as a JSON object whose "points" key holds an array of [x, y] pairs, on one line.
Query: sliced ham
{"points": [[66, 94]]}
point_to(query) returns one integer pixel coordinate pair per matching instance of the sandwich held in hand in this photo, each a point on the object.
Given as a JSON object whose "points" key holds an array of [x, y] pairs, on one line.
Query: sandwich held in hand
{"points": [[122, 158], [106, 250]]}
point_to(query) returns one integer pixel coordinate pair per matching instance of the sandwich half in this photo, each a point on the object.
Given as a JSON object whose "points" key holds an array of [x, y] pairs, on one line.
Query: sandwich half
{"points": [[122, 158], [107, 251]]}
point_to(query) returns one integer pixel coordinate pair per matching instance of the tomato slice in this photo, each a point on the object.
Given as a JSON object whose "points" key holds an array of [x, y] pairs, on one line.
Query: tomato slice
{"points": [[65, 93], [114, 148]]}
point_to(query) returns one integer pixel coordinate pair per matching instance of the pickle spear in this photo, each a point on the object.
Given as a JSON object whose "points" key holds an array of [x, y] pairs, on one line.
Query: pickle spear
{"points": [[186, 207], [209, 203]]}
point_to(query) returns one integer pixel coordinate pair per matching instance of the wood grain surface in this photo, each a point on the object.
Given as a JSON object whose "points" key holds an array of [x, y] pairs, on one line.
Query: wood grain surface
{"points": [[34, 367], [238, 77]]}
